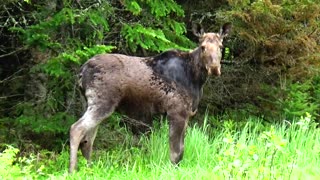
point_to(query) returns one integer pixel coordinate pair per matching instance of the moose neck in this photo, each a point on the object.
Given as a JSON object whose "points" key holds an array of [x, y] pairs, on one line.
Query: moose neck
{"points": [[199, 70], [186, 69]]}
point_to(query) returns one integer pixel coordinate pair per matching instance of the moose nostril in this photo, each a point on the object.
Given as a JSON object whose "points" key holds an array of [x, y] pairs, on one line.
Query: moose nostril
{"points": [[203, 48]]}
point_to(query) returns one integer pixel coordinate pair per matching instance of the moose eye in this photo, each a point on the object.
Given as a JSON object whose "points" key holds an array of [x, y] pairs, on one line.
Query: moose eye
{"points": [[203, 48]]}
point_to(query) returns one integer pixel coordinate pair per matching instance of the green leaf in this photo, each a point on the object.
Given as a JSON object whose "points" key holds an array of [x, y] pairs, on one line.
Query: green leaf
{"points": [[133, 7]]}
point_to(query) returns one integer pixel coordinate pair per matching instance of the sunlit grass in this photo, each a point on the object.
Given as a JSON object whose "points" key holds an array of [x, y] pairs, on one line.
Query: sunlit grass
{"points": [[279, 151]]}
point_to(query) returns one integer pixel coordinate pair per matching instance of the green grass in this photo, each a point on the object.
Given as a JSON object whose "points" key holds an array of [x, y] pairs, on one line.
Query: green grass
{"points": [[256, 151]]}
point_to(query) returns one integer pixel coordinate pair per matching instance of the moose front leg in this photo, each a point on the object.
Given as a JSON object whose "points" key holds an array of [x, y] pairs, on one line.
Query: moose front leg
{"points": [[177, 128]]}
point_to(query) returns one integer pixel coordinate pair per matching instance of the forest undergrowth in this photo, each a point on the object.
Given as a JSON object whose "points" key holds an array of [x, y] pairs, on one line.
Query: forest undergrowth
{"points": [[246, 149]]}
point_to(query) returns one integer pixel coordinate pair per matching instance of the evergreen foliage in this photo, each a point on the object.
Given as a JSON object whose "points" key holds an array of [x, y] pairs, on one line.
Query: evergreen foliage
{"points": [[271, 41], [299, 98], [157, 30], [277, 33]]}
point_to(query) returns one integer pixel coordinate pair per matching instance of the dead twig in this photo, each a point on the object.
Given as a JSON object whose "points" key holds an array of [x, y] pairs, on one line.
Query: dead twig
{"points": [[9, 77], [13, 52], [10, 96], [135, 122]]}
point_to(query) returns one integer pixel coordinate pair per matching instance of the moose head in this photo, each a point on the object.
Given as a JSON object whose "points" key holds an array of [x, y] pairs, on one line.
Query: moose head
{"points": [[210, 46]]}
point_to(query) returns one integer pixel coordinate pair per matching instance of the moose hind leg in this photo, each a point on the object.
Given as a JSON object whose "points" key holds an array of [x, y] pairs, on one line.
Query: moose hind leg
{"points": [[77, 132], [177, 127], [87, 143], [84, 131]]}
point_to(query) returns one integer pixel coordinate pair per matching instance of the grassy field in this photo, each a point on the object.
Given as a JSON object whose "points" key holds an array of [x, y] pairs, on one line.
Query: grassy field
{"points": [[247, 151]]}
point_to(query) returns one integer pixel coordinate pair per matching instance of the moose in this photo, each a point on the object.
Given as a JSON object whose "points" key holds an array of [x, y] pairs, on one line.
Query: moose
{"points": [[170, 83]]}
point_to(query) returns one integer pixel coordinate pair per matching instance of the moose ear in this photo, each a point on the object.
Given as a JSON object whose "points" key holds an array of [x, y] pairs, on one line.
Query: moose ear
{"points": [[197, 29], [225, 29]]}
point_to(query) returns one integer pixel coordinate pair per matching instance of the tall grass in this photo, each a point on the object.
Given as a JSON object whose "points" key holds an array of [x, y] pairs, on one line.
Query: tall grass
{"points": [[279, 151]]}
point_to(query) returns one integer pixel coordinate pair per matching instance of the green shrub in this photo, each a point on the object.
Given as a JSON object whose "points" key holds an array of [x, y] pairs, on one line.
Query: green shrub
{"points": [[13, 167], [294, 99], [299, 100], [7, 158]]}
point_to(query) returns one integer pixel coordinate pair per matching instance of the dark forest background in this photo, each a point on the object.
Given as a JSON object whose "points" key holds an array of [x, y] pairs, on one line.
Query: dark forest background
{"points": [[271, 68]]}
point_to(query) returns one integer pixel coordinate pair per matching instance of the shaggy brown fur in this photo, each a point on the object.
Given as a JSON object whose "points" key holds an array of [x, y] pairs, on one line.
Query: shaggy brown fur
{"points": [[169, 83]]}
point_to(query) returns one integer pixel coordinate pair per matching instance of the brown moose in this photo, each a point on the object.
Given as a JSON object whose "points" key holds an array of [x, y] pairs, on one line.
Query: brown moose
{"points": [[170, 83]]}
